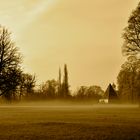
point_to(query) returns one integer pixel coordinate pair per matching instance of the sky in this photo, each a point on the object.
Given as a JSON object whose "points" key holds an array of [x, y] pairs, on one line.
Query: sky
{"points": [[84, 34]]}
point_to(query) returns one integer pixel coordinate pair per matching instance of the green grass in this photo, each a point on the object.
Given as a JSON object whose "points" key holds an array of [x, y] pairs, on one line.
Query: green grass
{"points": [[69, 122]]}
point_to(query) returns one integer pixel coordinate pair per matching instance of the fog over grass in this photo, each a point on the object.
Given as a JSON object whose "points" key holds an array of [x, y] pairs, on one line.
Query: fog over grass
{"points": [[66, 104], [52, 120]]}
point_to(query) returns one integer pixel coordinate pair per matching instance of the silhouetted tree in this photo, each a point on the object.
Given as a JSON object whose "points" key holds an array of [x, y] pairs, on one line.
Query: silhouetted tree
{"points": [[59, 84], [81, 92], [27, 85], [10, 60], [65, 85], [128, 80], [49, 89], [89, 93], [11, 84], [131, 34]]}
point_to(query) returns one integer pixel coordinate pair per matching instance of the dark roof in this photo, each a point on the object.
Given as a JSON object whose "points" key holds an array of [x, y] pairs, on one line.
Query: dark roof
{"points": [[110, 93]]}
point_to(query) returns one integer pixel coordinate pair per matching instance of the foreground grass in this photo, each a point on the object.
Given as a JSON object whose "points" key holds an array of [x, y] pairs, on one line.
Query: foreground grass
{"points": [[28, 122]]}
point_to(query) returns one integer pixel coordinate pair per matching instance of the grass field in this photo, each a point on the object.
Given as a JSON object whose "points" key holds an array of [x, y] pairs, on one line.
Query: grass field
{"points": [[71, 122]]}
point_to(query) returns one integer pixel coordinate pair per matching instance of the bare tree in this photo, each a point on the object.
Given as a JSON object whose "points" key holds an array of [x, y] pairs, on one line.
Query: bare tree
{"points": [[131, 34], [10, 60]]}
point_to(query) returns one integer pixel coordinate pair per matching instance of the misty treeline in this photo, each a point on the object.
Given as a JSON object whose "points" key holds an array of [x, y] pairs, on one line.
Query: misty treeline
{"points": [[60, 89], [16, 85]]}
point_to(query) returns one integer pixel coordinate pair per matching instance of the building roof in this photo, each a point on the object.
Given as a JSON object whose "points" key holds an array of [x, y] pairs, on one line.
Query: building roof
{"points": [[110, 93]]}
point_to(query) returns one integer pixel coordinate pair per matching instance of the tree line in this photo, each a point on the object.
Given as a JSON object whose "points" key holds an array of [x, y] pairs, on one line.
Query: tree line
{"points": [[17, 85], [128, 79]]}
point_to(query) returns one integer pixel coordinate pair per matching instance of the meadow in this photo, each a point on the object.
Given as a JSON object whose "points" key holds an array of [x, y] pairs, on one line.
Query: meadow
{"points": [[69, 122]]}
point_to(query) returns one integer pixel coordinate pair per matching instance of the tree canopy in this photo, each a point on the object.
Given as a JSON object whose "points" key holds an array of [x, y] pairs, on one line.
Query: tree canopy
{"points": [[129, 80], [131, 34]]}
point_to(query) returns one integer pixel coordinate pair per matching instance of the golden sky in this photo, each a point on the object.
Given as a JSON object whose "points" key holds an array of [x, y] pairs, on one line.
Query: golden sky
{"points": [[84, 34]]}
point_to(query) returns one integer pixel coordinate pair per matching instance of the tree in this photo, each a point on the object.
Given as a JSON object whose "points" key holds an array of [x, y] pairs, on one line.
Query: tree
{"points": [[91, 93], [51, 89], [131, 34], [65, 84], [11, 83], [27, 84], [48, 89], [59, 84], [10, 60], [81, 92], [128, 80]]}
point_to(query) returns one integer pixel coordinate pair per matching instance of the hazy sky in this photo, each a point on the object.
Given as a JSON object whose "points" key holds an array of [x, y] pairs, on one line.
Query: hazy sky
{"points": [[84, 34]]}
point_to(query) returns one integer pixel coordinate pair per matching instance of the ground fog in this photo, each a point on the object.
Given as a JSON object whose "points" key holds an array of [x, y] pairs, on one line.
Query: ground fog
{"points": [[34, 121]]}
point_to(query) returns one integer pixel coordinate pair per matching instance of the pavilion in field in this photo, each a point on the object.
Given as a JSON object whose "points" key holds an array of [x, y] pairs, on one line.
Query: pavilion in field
{"points": [[110, 95]]}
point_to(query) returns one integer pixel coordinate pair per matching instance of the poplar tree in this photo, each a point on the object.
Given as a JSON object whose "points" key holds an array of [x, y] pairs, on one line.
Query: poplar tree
{"points": [[59, 84], [65, 84]]}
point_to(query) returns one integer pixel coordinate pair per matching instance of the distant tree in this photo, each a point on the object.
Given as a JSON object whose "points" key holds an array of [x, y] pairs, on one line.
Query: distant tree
{"points": [[131, 34], [89, 93], [42, 91], [27, 84], [65, 85], [95, 92], [10, 60], [59, 84], [81, 92], [51, 89], [48, 90], [128, 80]]}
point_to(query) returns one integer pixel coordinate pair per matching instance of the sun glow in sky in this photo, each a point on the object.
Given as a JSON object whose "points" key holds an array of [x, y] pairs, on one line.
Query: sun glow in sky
{"points": [[84, 34]]}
